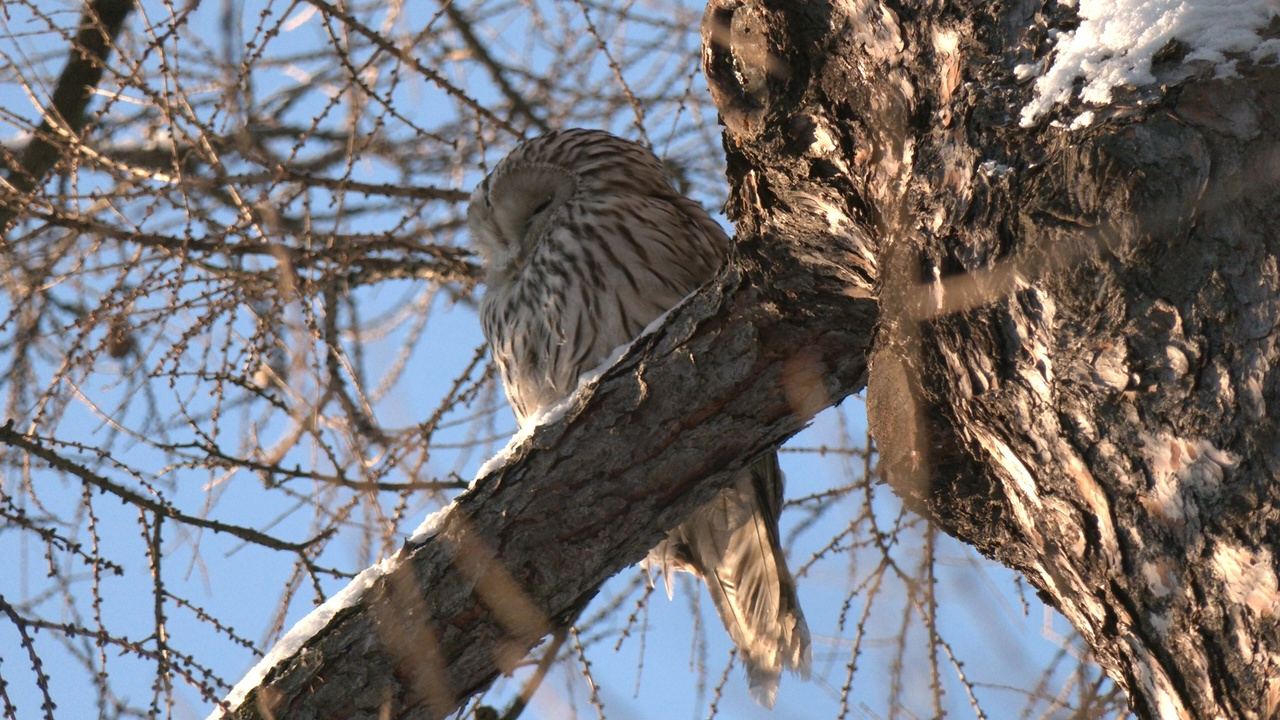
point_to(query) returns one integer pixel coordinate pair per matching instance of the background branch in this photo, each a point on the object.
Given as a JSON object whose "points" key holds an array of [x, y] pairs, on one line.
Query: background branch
{"points": [[65, 116]]}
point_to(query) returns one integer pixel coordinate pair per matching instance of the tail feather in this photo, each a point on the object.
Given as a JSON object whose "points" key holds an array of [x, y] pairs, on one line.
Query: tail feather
{"points": [[733, 545]]}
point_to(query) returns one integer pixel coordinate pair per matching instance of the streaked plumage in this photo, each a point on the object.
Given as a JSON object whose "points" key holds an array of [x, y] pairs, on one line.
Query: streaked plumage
{"points": [[585, 242]]}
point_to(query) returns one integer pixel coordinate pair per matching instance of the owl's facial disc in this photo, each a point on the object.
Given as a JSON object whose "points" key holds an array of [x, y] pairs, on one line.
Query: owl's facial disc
{"points": [[514, 210]]}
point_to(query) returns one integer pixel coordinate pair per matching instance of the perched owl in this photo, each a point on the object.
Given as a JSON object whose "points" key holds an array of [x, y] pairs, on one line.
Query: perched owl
{"points": [[585, 242]]}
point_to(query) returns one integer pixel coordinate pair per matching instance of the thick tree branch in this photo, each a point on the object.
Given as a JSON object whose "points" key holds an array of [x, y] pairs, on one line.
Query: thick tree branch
{"points": [[735, 371], [732, 374]]}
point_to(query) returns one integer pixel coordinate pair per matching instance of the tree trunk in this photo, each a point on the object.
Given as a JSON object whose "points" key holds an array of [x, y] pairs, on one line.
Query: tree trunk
{"points": [[1075, 368], [1072, 369]]}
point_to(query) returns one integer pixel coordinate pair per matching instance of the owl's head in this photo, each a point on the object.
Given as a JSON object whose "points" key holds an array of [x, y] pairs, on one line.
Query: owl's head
{"points": [[514, 207], [537, 185]]}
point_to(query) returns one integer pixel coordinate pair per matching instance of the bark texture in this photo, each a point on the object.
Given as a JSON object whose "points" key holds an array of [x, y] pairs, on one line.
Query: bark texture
{"points": [[731, 375], [1074, 368]]}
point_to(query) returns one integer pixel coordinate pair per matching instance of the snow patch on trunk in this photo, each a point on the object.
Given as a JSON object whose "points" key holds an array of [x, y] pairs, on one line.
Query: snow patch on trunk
{"points": [[1117, 40], [306, 628]]}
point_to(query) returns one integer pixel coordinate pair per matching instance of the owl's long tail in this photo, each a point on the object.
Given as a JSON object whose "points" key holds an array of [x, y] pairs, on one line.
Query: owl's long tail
{"points": [[732, 543]]}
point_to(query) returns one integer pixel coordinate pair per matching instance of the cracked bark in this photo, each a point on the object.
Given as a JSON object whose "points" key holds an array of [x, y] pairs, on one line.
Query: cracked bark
{"points": [[1078, 337], [1073, 370]]}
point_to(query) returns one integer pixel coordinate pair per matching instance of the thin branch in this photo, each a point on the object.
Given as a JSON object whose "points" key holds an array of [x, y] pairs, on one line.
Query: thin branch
{"points": [[480, 52], [390, 48], [12, 438]]}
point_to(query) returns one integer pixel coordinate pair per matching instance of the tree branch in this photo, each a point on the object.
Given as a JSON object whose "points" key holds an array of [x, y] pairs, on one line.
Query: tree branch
{"points": [[732, 374], [32, 446], [65, 115]]}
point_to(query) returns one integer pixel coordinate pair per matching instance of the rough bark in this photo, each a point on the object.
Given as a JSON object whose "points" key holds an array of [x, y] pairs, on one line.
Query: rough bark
{"points": [[1073, 370], [733, 373]]}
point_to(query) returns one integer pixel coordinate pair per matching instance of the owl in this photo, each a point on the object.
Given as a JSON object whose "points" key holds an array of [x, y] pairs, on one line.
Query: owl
{"points": [[585, 241]]}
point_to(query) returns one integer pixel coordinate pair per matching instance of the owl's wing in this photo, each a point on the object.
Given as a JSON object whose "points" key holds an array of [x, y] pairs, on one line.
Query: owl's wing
{"points": [[733, 544]]}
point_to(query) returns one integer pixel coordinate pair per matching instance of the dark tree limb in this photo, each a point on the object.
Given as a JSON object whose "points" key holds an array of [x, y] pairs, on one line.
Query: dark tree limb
{"points": [[66, 113], [733, 373]]}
